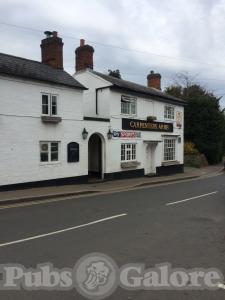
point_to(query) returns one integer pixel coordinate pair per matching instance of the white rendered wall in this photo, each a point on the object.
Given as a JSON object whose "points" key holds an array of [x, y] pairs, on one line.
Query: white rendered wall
{"points": [[110, 107], [21, 130], [145, 108], [92, 81]]}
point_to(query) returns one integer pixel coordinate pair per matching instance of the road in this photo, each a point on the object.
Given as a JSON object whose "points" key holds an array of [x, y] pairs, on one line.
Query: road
{"points": [[152, 225]]}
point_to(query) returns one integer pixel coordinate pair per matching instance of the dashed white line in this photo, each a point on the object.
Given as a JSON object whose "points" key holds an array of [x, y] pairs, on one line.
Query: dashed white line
{"points": [[61, 231], [192, 198]]}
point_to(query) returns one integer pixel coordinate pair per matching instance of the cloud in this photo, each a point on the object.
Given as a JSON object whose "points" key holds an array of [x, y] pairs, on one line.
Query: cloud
{"points": [[172, 29]]}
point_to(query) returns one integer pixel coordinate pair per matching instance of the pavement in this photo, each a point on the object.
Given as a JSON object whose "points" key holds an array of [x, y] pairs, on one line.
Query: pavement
{"points": [[181, 223], [53, 192]]}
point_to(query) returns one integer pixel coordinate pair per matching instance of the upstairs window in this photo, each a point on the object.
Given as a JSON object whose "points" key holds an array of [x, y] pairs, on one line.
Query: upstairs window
{"points": [[128, 152], [169, 112], [73, 152], [128, 105], [49, 152], [49, 105]]}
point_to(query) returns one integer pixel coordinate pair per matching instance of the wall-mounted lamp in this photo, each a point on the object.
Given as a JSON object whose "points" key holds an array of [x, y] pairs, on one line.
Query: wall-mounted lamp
{"points": [[84, 134], [109, 134]]}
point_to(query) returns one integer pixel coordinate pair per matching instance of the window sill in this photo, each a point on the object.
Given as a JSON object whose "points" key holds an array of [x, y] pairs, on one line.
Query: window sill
{"points": [[51, 119], [50, 163], [169, 120], [128, 115], [129, 164], [170, 163]]}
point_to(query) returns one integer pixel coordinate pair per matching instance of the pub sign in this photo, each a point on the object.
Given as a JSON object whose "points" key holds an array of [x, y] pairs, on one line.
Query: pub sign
{"points": [[140, 125]]}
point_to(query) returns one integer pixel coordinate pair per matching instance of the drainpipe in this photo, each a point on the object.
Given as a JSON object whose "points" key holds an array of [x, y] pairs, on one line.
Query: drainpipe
{"points": [[96, 100]]}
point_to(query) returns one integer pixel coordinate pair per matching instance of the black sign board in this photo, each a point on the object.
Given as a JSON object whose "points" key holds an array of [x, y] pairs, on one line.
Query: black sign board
{"points": [[132, 124]]}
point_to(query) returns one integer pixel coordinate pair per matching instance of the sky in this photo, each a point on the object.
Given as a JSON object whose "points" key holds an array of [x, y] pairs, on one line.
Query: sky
{"points": [[134, 36]]}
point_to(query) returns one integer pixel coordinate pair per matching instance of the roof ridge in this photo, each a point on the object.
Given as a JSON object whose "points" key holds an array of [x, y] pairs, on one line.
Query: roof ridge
{"points": [[36, 61], [23, 67], [129, 81], [23, 58], [155, 92]]}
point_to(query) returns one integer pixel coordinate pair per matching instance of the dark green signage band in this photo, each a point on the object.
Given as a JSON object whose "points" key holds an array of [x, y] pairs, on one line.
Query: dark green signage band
{"points": [[133, 124]]}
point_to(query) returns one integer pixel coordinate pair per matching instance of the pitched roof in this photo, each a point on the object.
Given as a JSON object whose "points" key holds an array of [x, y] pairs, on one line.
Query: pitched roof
{"points": [[139, 89], [31, 69]]}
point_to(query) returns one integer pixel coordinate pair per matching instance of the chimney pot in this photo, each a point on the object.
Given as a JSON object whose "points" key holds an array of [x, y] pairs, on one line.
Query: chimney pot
{"points": [[48, 34], [154, 80], [82, 42], [54, 33], [84, 56], [52, 50]]}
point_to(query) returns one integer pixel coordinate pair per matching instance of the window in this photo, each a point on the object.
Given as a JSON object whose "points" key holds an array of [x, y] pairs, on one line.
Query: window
{"points": [[128, 105], [54, 105], [45, 105], [49, 152], [73, 152], [169, 149], [128, 152], [169, 112], [49, 104]]}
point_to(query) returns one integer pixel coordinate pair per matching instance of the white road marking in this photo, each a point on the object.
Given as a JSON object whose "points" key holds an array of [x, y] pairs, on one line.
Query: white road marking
{"points": [[221, 286], [61, 231], [192, 198]]}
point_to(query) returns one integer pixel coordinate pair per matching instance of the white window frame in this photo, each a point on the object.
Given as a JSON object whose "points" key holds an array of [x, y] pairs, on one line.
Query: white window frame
{"points": [[49, 104], [49, 152], [170, 149], [128, 152], [169, 112], [128, 105]]}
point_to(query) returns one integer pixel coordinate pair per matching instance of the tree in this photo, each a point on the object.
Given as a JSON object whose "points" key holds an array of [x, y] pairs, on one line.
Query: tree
{"points": [[204, 119], [115, 73]]}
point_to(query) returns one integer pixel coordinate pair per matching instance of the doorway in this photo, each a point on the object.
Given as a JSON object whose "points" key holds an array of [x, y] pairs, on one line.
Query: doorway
{"points": [[150, 158], [95, 157]]}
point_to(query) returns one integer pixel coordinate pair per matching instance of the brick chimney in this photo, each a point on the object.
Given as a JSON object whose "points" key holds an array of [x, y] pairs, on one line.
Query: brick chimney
{"points": [[84, 56], [154, 80], [52, 50]]}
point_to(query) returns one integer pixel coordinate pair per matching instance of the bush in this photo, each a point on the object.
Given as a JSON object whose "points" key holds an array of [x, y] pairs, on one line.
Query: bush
{"points": [[204, 120], [196, 161], [189, 149]]}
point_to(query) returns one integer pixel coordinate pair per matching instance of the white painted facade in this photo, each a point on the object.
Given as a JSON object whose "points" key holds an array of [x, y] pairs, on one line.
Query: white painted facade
{"points": [[21, 131], [149, 155]]}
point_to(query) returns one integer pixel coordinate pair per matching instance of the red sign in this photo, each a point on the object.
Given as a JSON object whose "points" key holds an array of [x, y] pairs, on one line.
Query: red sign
{"points": [[126, 134]]}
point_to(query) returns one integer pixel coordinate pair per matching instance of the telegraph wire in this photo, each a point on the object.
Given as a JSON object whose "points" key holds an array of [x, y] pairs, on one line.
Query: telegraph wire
{"points": [[145, 75], [187, 59], [125, 49]]}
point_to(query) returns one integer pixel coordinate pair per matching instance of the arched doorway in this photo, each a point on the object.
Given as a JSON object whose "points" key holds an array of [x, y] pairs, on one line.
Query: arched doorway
{"points": [[95, 157]]}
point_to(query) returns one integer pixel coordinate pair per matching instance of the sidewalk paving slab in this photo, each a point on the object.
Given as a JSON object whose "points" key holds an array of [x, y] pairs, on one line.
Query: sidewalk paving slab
{"points": [[35, 194]]}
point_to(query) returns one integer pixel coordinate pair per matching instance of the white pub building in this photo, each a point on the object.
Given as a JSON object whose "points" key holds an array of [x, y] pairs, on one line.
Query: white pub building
{"points": [[63, 129]]}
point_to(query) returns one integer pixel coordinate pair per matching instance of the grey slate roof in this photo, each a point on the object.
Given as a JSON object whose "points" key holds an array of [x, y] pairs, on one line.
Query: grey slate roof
{"points": [[31, 69], [139, 89]]}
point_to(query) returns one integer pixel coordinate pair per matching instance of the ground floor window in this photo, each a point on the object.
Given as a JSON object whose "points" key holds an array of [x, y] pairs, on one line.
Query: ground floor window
{"points": [[49, 152], [169, 149], [128, 152]]}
